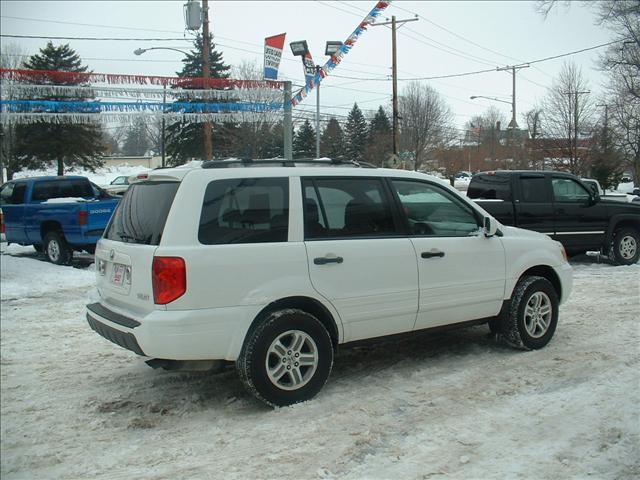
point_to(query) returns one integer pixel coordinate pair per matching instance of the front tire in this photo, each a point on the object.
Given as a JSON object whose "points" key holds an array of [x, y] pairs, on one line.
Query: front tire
{"points": [[533, 314], [286, 359], [626, 246], [57, 249]]}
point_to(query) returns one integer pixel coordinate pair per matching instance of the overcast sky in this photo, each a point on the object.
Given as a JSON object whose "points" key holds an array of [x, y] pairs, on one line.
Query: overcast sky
{"points": [[449, 38]]}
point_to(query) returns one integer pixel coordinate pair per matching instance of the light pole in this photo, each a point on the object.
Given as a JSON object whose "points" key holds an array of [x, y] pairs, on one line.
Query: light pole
{"points": [[140, 51], [301, 49]]}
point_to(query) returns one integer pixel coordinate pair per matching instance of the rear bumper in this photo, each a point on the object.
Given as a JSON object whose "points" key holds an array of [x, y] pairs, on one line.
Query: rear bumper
{"points": [[211, 334]]}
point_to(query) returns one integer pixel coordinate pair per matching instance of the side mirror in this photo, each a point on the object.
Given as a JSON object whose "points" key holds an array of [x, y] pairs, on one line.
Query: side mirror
{"points": [[490, 226], [593, 198]]}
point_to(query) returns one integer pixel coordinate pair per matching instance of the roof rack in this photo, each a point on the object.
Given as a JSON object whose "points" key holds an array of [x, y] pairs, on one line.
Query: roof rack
{"points": [[281, 162]]}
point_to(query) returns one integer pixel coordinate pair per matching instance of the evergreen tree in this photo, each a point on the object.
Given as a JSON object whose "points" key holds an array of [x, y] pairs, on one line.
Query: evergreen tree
{"points": [[380, 143], [606, 164], [136, 140], [185, 140], [356, 133], [66, 144], [332, 140], [304, 141]]}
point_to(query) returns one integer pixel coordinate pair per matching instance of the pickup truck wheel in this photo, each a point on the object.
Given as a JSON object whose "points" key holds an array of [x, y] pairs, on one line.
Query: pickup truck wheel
{"points": [[57, 249], [286, 359], [533, 314], [626, 246]]}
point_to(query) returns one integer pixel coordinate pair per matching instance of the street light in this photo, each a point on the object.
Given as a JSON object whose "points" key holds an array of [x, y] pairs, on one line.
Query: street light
{"points": [[301, 49], [473, 97], [140, 51]]}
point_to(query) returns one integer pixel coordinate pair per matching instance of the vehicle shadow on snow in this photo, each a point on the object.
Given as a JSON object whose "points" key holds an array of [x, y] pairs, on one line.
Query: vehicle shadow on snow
{"points": [[80, 259], [168, 393]]}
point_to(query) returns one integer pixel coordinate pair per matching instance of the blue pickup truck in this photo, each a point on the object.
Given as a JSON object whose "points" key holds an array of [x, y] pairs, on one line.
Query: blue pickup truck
{"points": [[56, 215]]}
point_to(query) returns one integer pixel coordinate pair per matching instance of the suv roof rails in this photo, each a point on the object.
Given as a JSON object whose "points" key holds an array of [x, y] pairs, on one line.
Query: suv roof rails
{"points": [[281, 162]]}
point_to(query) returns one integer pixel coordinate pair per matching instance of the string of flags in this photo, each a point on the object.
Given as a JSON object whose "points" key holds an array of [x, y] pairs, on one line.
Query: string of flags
{"points": [[336, 58]]}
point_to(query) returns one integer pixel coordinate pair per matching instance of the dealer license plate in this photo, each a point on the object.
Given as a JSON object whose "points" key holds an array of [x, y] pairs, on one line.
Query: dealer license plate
{"points": [[117, 274]]}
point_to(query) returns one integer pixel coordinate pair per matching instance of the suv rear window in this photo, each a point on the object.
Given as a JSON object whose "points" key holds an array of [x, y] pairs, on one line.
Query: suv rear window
{"points": [[245, 210], [490, 187], [142, 213]]}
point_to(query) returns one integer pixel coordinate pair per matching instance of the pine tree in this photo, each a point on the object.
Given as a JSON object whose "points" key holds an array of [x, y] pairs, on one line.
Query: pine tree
{"points": [[379, 146], [356, 133], [304, 141], [65, 144], [136, 140], [606, 166], [332, 140], [185, 140]]}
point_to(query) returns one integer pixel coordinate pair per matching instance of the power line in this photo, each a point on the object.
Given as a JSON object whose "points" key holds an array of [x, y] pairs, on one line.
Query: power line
{"points": [[554, 57], [115, 39]]}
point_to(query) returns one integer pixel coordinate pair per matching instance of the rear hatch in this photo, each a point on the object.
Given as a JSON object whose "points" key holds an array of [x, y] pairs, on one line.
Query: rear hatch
{"points": [[124, 256]]}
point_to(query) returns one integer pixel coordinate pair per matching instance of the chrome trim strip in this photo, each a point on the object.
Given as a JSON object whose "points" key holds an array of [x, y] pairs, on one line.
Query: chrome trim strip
{"points": [[581, 233]]}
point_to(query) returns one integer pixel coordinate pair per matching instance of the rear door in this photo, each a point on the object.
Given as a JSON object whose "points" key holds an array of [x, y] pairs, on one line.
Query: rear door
{"points": [[461, 272], [359, 258], [534, 203], [125, 255]]}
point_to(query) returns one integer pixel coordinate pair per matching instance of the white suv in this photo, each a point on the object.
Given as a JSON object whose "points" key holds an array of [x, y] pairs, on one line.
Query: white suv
{"points": [[273, 267]]}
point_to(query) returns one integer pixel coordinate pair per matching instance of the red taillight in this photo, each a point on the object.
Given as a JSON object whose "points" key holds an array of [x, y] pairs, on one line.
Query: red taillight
{"points": [[83, 218], [169, 279], [2, 227]]}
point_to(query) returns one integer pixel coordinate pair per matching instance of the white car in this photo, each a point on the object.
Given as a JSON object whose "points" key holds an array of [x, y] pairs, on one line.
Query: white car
{"points": [[273, 267]]}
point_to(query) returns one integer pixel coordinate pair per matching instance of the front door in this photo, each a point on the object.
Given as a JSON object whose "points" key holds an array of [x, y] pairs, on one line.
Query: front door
{"points": [[358, 258], [580, 224], [461, 272]]}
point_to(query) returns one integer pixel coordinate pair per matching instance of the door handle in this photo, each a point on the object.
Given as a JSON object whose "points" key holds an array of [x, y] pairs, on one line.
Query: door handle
{"points": [[325, 260], [433, 253]]}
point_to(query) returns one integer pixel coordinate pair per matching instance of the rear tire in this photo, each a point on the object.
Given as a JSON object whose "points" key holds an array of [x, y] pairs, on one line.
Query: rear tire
{"points": [[533, 314], [57, 249], [286, 359], [626, 246]]}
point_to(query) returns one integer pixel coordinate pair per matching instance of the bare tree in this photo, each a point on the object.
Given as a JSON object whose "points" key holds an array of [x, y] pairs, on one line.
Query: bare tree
{"points": [[426, 121], [568, 114], [625, 122], [485, 130], [12, 56], [254, 128]]}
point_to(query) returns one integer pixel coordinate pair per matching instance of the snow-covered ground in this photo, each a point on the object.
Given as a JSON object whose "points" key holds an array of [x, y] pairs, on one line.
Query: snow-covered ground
{"points": [[447, 405]]}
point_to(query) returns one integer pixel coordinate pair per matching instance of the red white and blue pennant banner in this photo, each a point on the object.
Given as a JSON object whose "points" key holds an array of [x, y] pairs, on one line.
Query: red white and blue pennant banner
{"points": [[73, 78], [337, 57], [272, 54]]}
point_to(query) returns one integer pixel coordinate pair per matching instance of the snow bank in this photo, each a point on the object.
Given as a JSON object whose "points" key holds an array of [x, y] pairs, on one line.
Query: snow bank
{"points": [[102, 176]]}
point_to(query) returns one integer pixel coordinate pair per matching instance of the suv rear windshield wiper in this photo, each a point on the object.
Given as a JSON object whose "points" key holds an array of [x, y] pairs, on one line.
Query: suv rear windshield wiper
{"points": [[130, 238]]}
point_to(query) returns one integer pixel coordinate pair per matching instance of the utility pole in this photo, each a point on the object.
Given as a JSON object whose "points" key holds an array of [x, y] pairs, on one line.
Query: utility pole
{"points": [[288, 122], [318, 115], [574, 147], [394, 69], [162, 140], [208, 141], [513, 124]]}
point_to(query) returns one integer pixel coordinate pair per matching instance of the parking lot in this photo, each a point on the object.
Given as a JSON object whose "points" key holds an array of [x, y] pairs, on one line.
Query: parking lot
{"points": [[447, 405]]}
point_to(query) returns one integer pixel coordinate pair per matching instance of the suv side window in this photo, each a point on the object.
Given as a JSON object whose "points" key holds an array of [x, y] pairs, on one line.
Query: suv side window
{"points": [[568, 190], [245, 210], [346, 207], [432, 211]]}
